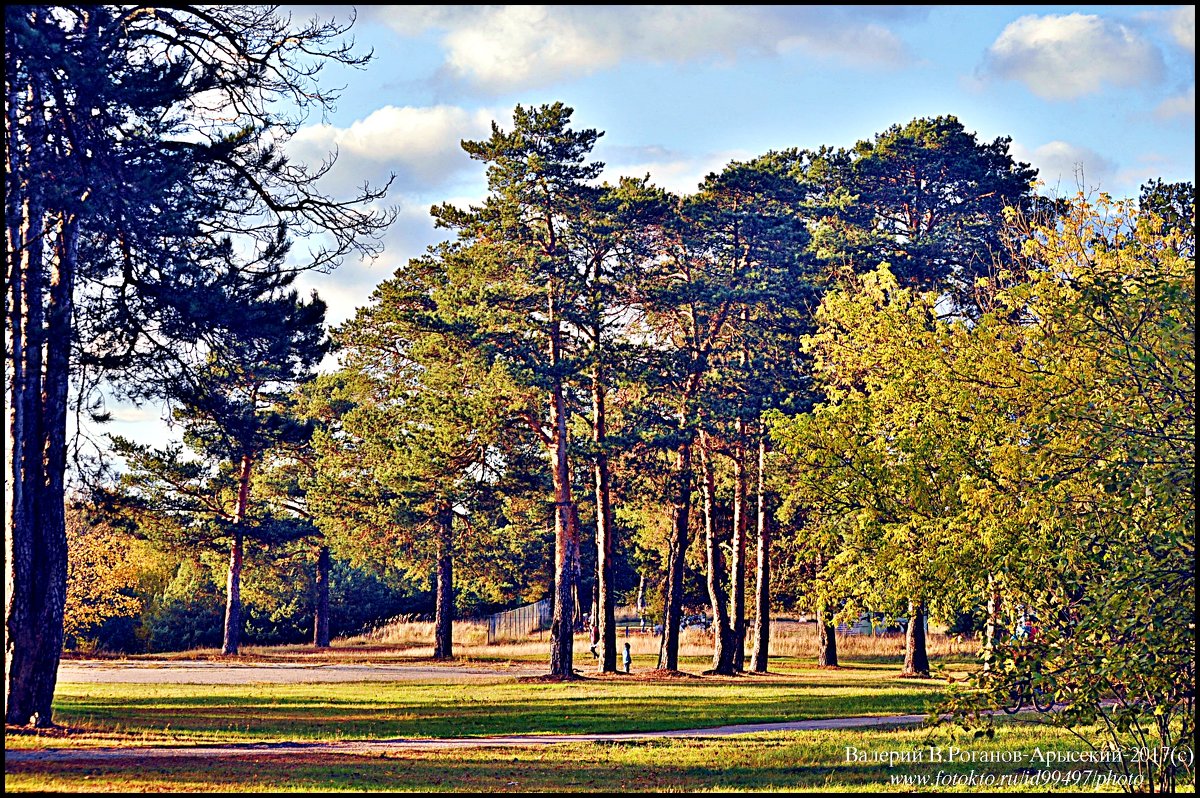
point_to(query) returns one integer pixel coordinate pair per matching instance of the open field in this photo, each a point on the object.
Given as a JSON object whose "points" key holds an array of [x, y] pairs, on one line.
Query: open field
{"points": [[260, 712], [481, 724]]}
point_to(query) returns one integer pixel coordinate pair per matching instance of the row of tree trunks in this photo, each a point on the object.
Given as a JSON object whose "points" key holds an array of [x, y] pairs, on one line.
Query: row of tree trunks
{"points": [[729, 655], [729, 607]]}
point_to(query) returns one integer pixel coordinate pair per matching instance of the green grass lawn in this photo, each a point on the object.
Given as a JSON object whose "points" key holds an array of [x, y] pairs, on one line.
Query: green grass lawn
{"points": [[374, 710], [785, 761], [128, 715]]}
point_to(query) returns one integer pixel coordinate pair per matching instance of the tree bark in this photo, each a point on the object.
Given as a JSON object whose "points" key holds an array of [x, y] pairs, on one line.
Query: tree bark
{"points": [[233, 596], [52, 492], [668, 654], [827, 655], [724, 635], [443, 618], [38, 334], [741, 525], [24, 339], [991, 631], [566, 536], [762, 587], [25, 336], [916, 658], [641, 596], [321, 600], [233, 584], [605, 592]]}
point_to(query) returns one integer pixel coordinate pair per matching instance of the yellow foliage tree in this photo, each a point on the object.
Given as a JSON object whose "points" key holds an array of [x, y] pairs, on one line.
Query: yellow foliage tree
{"points": [[101, 577]]}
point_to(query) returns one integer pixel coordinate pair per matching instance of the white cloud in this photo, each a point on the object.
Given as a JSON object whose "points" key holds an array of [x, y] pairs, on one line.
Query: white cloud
{"points": [[500, 47], [1182, 24], [421, 145], [1061, 57], [1066, 168], [674, 171], [1180, 105]]}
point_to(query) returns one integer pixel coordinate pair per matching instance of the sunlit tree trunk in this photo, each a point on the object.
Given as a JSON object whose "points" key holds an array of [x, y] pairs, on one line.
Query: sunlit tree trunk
{"points": [[443, 619], [762, 591], [991, 631], [321, 599], [566, 537], [606, 615], [681, 503], [724, 636], [233, 583], [737, 568]]}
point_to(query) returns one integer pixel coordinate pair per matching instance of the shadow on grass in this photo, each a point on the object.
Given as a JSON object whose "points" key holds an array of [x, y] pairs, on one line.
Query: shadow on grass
{"points": [[221, 714]]}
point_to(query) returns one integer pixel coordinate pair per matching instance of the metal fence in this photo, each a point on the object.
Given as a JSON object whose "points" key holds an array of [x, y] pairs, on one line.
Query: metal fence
{"points": [[520, 623]]}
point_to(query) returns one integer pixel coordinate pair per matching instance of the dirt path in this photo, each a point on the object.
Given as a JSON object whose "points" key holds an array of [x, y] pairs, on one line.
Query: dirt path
{"points": [[377, 747], [223, 672]]}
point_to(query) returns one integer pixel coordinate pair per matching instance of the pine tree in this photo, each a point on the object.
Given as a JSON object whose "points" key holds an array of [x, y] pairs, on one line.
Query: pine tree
{"points": [[123, 200], [528, 250]]}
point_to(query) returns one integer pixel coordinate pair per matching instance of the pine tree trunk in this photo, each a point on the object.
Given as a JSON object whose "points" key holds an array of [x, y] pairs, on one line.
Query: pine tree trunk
{"points": [[741, 525], [668, 655], [233, 584], [605, 591], [25, 336], [724, 635], [566, 538], [916, 658], [52, 515], [233, 596], [443, 619], [321, 599], [38, 335], [762, 588], [827, 655]]}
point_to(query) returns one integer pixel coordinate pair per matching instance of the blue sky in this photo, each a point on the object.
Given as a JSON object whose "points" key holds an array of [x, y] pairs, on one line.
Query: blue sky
{"points": [[1098, 98]]}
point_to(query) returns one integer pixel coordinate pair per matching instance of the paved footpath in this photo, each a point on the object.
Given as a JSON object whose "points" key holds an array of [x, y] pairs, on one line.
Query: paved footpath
{"points": [[376, 747]]}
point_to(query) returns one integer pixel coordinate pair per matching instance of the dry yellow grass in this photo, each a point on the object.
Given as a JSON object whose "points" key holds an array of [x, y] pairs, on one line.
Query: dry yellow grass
{"points": [[788, 639]]}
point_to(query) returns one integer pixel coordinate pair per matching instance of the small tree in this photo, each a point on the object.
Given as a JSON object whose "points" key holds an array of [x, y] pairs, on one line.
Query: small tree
{"points": [[419, 441], [232, 414]]}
